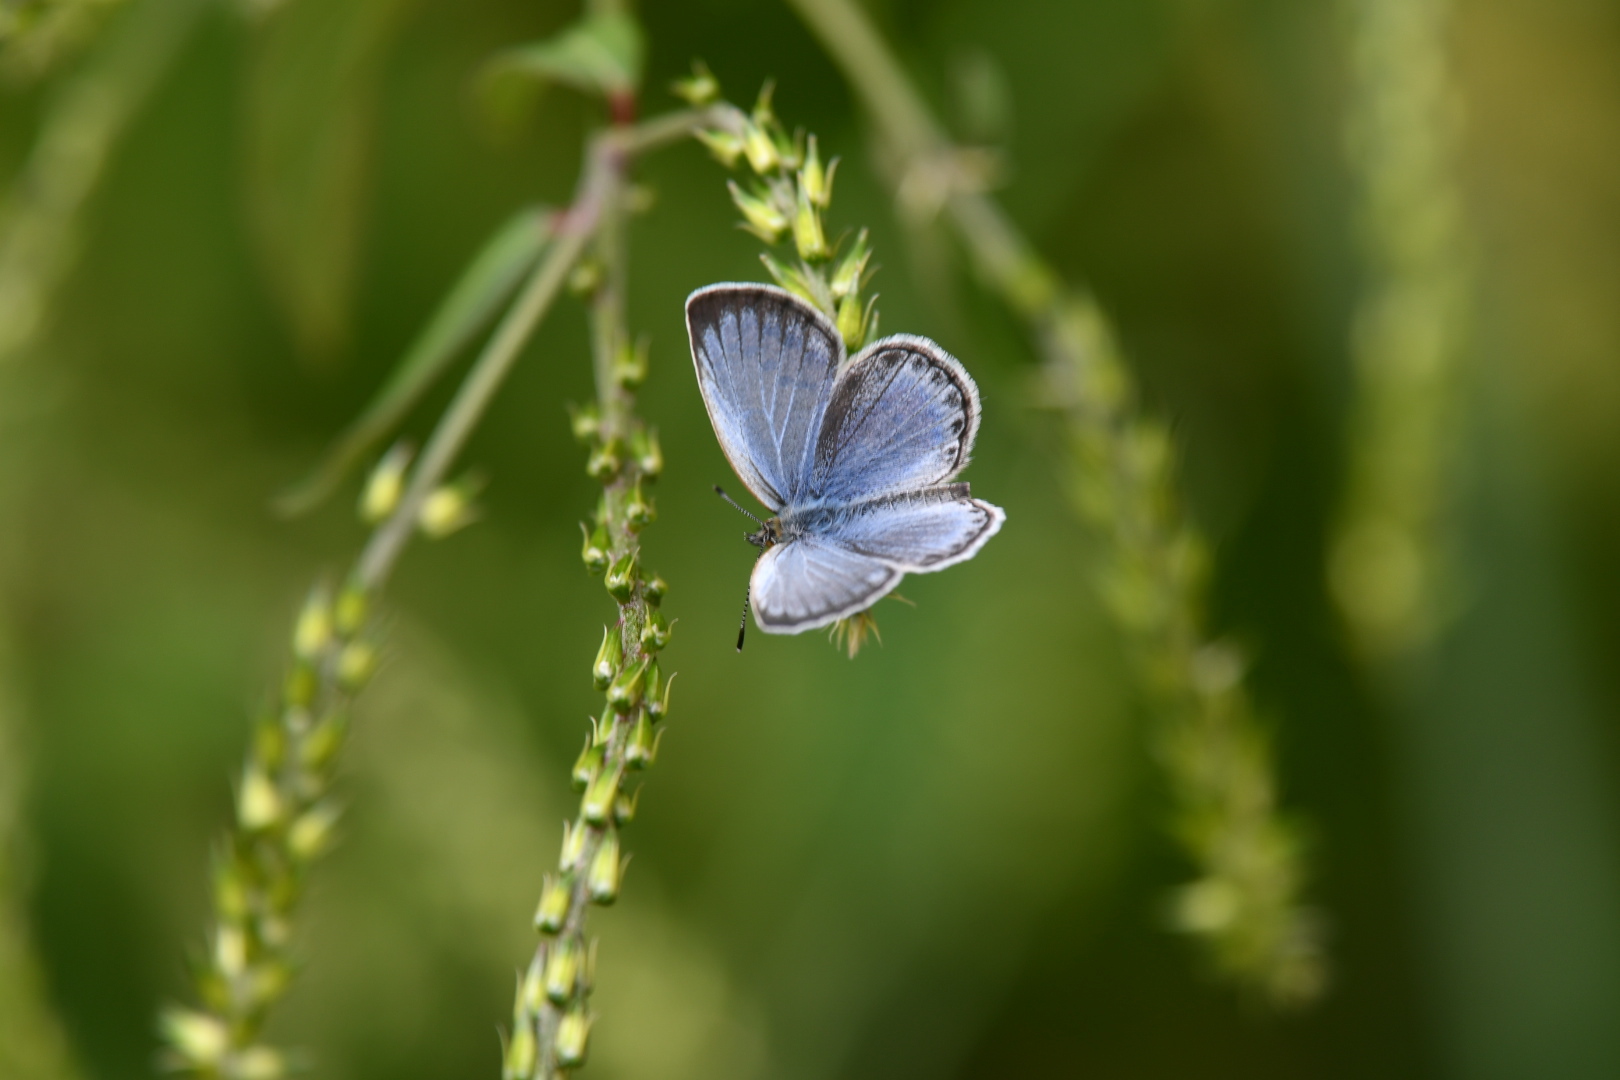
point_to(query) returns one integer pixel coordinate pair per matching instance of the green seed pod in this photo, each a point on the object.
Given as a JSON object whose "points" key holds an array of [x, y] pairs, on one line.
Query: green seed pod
{"points": [[658, 704], [356, 664], [573, 1036], [555, 898], [608, 658], [846, 276], [597, 805], [642, 749], [585, 421], [323, 742], [656, 634], [605, 460], [588, 764], [573, 846], [624, 807], [269, 743], [258, 803], [725, 146], [312, 832], [522, 1051], [761, 215], [602, 880], [808, 235], [630, 363], [645, 449], [626, 690], [638, 510], [655, 590], [621, 577], [200, 1039], [564, 961]]}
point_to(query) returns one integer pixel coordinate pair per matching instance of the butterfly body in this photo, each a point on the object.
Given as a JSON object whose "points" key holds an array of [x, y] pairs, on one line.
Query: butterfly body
{"points": [[855, 458]]}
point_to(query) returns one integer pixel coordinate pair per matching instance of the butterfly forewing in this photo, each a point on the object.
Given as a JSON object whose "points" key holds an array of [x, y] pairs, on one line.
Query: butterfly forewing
{"points": [[766, 364], [902, 417]]}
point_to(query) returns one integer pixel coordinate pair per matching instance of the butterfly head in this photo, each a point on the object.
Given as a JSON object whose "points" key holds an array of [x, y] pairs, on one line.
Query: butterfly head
{"points": [[768, 535]]}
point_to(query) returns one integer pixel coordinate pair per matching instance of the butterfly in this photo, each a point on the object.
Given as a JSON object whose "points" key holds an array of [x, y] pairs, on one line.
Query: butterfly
{"points": [[855, 458]]}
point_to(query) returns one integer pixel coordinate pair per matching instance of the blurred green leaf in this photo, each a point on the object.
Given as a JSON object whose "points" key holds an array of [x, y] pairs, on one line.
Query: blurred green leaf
{"points": [[483, 287], [311, 96], [601, 54]]}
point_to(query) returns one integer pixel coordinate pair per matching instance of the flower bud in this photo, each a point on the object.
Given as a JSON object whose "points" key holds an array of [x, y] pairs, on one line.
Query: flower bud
{"points": [[230, 891], [630, 363], [323, 741], [656, 633], [586, 277], [585, 421], [605, 459], [647, 453], [448, 508], [624, 807], [642, 749], [855, 324], [564, 961], [699, 88], [655, 590], [522, 1053], [200, 1039], [656, 692], [594, 552], [269, 743], [808, 236], [760, 148], [725, 146], [356, 664], [625, 691], [761, 215], [573, 846], [621, 577], [230, 950], [385, 484], [314, 629], [597, 805], [349, 612], [846, 276], [573, 1035], [588, 764], [602, 879], [258, 803], [311, 834], [299, 690], [556, 896], [638, 509], [608, 658], [814, 181]]}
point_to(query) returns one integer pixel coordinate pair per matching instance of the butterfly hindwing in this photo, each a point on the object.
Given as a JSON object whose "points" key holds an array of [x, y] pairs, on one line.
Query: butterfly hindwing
{"points": [[809, 583], [917, 532], [903, 417], [766, 365]]}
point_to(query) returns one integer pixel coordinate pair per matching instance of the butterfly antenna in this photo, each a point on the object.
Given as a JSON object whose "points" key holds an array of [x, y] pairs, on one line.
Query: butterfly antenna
{"points": [[742, 627], [721, 492]]}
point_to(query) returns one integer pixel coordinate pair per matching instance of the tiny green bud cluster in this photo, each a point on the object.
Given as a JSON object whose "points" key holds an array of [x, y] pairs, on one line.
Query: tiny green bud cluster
{"points": [[285, 819], [784, 198]]}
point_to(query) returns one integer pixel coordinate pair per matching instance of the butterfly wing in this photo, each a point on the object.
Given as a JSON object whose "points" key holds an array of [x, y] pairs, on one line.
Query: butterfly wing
{"points": [[766, 365], [917, 532], [902, 417], [808, 582]]}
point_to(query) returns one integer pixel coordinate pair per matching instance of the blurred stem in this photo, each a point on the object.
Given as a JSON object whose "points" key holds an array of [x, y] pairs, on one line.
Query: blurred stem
{"points": [[1390, 566], [1246, 904], [285, 812], [40, 218], [32, 1042]]}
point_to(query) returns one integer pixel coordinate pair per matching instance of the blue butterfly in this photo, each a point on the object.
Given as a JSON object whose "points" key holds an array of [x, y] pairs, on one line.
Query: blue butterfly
{"points": [[854, 459]]}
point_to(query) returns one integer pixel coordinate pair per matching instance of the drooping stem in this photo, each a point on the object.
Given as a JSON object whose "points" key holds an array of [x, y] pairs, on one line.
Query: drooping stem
{"points": [[1391, 567], [1246, 903], [285, 814]]}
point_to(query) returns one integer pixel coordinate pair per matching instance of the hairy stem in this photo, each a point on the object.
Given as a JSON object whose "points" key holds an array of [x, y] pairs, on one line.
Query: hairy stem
{"points": [[1246, 903]]}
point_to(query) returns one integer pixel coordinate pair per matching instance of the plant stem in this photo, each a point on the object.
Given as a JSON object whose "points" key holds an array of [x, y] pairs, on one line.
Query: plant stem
{"points": [[1246, 903], [1391, 566], [285, 816]]}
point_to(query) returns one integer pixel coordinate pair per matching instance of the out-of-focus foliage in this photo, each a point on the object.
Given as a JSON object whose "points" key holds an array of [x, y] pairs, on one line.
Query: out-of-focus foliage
{"points": [[941, 858]]}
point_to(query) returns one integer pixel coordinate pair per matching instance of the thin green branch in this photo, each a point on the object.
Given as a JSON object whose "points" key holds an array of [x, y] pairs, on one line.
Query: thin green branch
{"points": [[285, 813], [1391, 568], [1246, 903]]}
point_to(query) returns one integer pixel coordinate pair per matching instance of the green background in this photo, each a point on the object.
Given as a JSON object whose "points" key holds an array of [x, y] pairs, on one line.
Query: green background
{"points": [[945, 858]]}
